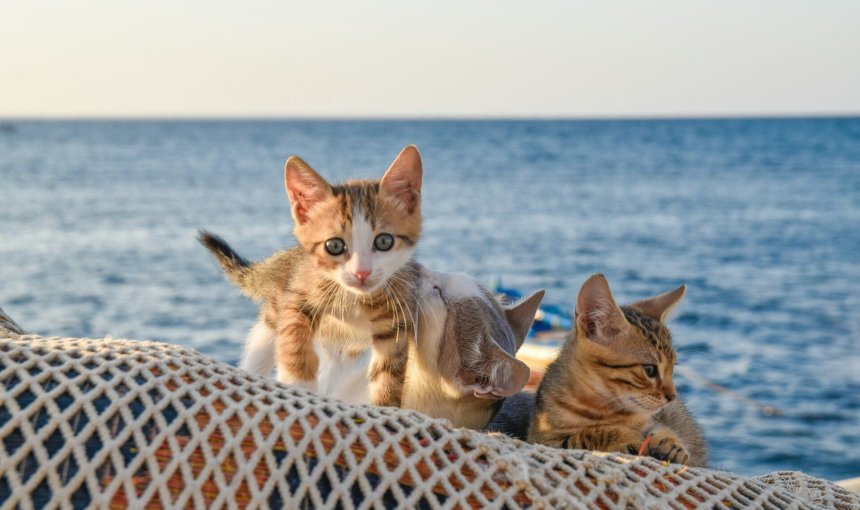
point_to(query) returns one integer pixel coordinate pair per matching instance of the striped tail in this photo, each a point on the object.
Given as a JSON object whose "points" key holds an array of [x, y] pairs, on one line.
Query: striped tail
{"points": [[237, 269]]}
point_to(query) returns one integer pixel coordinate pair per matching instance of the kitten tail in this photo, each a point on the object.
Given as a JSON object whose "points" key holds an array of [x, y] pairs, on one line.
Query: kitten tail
{"points": [[237, 269]]}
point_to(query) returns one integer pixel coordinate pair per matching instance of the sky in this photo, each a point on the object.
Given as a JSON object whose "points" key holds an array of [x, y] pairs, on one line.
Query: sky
{"points": [[440, 58]]}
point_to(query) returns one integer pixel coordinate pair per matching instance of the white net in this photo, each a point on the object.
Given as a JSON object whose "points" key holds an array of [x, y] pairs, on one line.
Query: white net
{"points": [[118, 423]]}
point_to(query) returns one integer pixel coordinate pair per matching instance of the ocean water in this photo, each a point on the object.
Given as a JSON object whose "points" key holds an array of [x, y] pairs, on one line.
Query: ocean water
{"points": [[760, 218]]}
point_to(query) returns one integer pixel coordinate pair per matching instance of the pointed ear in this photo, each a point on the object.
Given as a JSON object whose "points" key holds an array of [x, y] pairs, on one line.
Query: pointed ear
{"points": [[598, 316], [402, 180], [521, 316], [305, 188], [658, 307], [504, 374]]}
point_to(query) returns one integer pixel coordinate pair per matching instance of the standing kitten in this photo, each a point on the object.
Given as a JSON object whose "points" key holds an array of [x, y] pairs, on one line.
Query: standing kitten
{"points": [[611, 385], [463, 363], [351, 282]]}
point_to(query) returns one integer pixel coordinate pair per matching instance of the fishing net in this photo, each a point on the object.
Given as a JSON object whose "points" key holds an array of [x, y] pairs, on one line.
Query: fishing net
{"points": [[118, 423]]}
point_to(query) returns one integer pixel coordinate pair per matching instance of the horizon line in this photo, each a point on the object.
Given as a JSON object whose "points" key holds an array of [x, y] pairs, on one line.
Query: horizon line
{"points": [[430, 118]]}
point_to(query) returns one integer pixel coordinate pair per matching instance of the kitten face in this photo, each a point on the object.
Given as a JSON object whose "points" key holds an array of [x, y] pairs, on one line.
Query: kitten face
{"points": [[357, 239], [627, 350], [477, 337], [359, 233], [637, 372]]}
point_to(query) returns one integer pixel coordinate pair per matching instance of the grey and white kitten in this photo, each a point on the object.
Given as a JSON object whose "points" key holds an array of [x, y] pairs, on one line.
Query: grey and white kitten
{"points": [[464, 363]]}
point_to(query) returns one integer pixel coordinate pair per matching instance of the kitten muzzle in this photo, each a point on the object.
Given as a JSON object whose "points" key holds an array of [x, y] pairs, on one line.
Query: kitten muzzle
{"points": [[362, 276]]}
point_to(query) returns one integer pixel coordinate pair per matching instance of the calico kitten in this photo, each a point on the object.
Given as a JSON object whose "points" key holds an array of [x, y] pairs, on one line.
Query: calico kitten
{"points": [[463, 364], [350, 282], [611, 385]]}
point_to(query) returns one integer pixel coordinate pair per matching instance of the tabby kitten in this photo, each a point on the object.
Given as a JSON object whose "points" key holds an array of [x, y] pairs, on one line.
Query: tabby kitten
{"points": [[351, 282], [611, 385]]}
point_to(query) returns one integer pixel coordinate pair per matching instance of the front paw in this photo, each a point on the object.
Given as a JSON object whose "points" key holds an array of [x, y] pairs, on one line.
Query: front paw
{"points": [[665, 445], [626, 441], [610, 439], [311, 385]]}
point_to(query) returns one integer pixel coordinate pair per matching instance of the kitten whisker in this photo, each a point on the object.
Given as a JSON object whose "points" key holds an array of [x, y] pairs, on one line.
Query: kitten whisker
{"points": [[392, 302], [407, 313], [417, 300], [400, 306]]}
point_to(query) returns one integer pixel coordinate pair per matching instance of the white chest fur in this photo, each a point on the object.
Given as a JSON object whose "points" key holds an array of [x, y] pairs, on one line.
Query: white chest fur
{"points": [[343, 374]]}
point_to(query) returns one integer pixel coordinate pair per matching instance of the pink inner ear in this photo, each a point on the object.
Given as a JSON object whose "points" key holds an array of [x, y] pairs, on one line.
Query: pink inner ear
{"points": [[402, 180], [597, 314], [303, 201], [403, 192], [306, 190]]}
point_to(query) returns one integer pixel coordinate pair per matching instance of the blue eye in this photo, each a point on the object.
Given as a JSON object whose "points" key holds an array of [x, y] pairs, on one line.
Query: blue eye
{"points": [[650, 370], [335, 246], [383, 242]]}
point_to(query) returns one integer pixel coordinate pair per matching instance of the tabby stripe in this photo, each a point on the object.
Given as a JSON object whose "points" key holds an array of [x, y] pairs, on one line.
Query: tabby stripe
{"points": [[386, 314], [391, 333], [585, 412], [393, 365], [632, 384], [406, 239], [607, 365]]}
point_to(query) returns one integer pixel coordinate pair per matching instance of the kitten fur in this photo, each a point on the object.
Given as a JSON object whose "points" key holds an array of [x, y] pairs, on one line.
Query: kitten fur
{"points": [[515, 415], [351, 295], [611, 385], [463, 363]]}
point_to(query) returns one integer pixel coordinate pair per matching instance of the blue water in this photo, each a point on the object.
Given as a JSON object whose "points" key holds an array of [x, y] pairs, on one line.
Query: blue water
{"points": [[760, 218]]}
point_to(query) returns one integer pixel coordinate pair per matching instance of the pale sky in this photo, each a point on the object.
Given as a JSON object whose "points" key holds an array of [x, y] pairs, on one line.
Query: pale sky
{"points": [[439, 58]]}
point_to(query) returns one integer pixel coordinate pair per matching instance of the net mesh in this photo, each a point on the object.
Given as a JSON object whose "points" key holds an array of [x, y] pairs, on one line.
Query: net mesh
{"points": [[118, 423]]}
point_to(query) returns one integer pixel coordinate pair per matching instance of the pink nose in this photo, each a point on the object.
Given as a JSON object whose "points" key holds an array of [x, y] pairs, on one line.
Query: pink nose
{"points": [[362, 275]]}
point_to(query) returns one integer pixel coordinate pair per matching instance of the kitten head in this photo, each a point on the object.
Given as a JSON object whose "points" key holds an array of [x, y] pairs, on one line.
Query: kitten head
{"points": [[360, 232], [472, 338], [626, 352]]}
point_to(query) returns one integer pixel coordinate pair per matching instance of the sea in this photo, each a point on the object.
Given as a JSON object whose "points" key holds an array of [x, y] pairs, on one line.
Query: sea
{"points": [[760, 218]]}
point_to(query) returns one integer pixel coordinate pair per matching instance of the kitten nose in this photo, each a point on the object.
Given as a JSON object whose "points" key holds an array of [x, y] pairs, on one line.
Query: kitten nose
{"points": [[669, 391], [362, 275]]}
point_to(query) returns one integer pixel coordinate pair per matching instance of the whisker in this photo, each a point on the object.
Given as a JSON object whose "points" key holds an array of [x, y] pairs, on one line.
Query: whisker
{"points": [[391, 306], [416, 299]]}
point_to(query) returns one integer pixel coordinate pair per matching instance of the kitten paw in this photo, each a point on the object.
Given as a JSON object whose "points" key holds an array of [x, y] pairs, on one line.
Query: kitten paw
{"points": [[624, 440], [298, 383], [665, 445], [608, 439]]}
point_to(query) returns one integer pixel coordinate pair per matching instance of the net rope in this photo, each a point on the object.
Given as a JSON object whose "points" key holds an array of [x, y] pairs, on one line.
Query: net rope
{"points": [[120, 423]]}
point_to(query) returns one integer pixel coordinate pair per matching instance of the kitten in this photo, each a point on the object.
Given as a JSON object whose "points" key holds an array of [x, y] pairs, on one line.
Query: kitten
{"points": [[463, 364], [351, 282], [611, 385]]}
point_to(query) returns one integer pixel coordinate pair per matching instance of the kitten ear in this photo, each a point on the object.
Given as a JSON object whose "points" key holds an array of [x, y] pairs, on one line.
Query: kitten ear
{"points": [[658, 307], [598, 316], [476, 363], [505, 375], [402, 180], [521, 316], [305, 187]]}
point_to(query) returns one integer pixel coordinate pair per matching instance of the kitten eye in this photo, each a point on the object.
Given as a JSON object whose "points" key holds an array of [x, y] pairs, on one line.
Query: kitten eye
{"points": [[335, 246], [650, 370], [383, 242]]}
